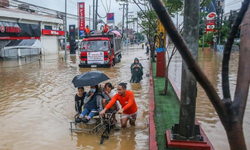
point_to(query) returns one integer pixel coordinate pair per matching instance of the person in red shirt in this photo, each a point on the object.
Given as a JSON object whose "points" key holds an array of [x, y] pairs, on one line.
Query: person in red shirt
{"points": [[127, 101]]}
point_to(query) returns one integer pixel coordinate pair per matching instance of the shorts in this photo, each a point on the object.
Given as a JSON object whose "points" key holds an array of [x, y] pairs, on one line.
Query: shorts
{"points": [[129, 116]]}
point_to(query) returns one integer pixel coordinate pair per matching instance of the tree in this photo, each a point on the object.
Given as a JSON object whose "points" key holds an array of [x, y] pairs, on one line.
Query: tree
{"points": [[149, 24], [230, 110]]}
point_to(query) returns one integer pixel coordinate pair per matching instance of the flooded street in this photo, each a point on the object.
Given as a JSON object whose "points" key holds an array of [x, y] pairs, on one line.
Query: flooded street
{"points": [[211, 62], [37, 104]]}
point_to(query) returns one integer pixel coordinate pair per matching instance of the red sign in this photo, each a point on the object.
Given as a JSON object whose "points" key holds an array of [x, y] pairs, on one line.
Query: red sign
{"points": [[211, 15], [53, 32], [210, 22], [10, 29], [81, 7]]}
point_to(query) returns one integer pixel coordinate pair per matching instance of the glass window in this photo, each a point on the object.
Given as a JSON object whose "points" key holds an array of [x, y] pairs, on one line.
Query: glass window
{"points": [[47, 27], [95, 46]]}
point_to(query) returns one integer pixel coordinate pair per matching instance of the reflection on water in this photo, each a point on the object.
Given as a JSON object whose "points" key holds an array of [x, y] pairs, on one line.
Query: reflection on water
{"points": [[211, 62], [37, 104]]}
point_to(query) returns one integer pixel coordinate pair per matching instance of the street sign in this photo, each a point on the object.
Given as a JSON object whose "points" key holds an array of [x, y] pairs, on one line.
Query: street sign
{"points": [[110, 18]]}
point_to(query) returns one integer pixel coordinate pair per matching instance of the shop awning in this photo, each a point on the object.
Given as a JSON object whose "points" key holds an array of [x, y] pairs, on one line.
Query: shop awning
{"points": [[14, 44]]}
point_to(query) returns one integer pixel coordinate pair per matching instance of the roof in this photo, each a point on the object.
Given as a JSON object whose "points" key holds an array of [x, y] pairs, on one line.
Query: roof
{"points": [[20, 14]]}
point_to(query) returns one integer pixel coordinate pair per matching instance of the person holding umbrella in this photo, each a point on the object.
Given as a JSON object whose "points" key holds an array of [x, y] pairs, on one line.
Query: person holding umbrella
{"points": [[93, 99], [92, 104], [127, 101]]}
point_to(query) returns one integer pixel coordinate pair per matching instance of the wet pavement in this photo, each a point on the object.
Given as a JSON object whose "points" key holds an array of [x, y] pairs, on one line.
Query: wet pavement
{"points": [[37, 104], [211, 62]]}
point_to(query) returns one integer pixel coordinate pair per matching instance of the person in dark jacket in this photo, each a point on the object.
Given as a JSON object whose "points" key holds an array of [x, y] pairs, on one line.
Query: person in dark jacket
{"points": [[79, 97], [136, 71], [92, 104]]}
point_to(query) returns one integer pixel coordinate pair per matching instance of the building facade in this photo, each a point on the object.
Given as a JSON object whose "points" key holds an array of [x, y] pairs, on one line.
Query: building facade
{"points": [[26, 23]]}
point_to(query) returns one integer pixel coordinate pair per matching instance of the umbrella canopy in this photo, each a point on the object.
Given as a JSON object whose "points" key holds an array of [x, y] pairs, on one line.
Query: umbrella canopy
{"points": [[90, 78], [116, 32]]}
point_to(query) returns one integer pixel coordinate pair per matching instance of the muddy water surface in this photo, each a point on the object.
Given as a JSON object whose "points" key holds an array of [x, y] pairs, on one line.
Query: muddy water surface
{"points": [[211, 62], [37, 104]]}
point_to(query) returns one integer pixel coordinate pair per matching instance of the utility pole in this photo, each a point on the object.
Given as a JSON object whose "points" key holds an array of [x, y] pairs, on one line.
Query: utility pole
{"points": [[93, 14], [123, 6], [204, 28], [89, 14], [137, 29], [65, 29], [96, 12], [127, 22]]}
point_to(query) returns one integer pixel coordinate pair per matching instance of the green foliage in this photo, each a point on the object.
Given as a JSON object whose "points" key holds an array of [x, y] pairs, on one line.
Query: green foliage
{"points": [[209, 37], [224, 32], [200, 43], [205, 3], [174, 6], [148, 22], [140, 36]]}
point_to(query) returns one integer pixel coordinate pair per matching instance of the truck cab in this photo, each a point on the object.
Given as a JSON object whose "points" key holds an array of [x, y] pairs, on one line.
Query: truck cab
{"points": [[100, 51]]}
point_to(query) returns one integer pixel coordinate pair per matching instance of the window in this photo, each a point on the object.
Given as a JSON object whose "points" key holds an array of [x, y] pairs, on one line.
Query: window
{"points": [[47, 27], [95, 45]]}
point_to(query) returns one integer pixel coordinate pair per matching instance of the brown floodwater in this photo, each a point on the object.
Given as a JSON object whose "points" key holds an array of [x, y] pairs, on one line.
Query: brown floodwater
{"points": [[211, 62], [37, 104]]}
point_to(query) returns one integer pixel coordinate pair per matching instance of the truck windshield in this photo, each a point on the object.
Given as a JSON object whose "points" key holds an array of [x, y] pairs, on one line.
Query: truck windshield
{"points": [[94, 46]]}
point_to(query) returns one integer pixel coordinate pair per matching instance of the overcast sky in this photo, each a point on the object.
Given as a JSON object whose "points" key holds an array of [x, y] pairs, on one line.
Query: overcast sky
{"points": [[104, 6]]}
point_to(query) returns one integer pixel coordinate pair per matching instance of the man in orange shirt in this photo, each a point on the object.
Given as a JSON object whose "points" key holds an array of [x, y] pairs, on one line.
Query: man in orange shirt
{"points": [[127, 101], [87, 31], [105, 29]]}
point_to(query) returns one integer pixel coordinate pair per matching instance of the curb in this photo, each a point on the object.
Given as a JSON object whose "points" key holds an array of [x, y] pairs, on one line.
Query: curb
{"points": [[152, 132]]}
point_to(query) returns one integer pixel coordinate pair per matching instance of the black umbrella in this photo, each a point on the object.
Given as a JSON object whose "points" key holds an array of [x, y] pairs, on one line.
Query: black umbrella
{"points": [[90, 78]]}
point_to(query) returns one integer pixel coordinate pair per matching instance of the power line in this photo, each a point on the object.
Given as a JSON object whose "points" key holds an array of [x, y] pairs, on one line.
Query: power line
{"points": [[104, 6]]}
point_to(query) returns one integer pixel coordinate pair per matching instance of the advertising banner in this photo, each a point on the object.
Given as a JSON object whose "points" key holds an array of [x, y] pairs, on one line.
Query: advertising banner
{"points": [[14, 30], [81, 9], [110, 18], [95, 57]]}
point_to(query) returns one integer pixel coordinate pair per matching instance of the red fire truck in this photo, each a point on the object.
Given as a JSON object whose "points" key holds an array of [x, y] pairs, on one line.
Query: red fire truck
{"points": [[100, 51]]}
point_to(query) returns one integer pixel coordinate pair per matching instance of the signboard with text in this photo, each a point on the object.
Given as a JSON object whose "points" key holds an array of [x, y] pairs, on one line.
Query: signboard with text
{"points": [[95, 57], [16, 30], [110, 18], [53, 32], [81, 9], [210, 22]]}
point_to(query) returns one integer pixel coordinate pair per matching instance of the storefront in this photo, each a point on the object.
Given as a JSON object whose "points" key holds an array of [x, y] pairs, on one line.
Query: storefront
{"points": [[15, 33], [19, 24], [51, 40]]}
